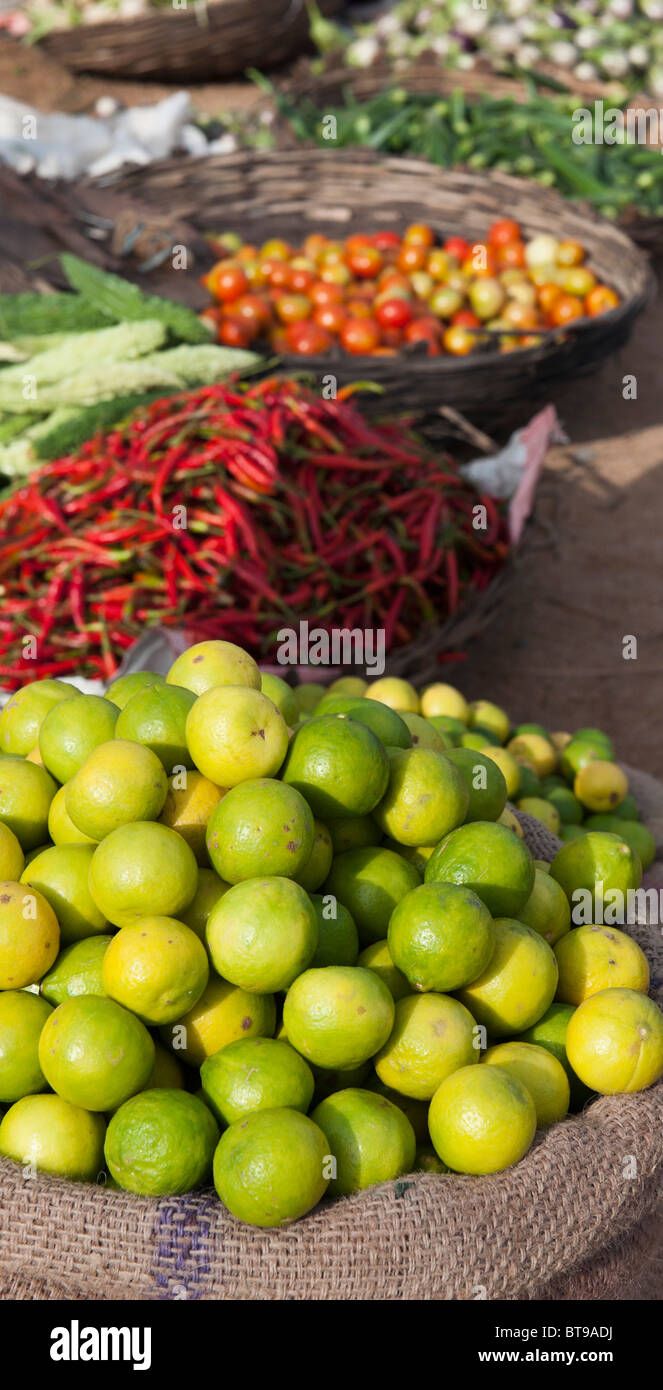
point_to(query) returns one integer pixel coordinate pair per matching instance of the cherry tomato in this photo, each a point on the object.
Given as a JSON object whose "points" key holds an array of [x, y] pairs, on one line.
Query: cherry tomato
{"points": [[412, 257], [457, 246], [331, 317], [321, 293], [313, 246], [254, 311], [360, 336], [364, 261], [307, 338], [520, 315], [245, 253], [394, 313], [387, 241], [357, 309], [293, 308], [392, 338], [227, 280], [393, 281], [600, 300], [276, 250], [211, 318], [358, 241], [332, 254], [565, 309], [503, 231], [255, 274], [419, 234], [336, 274], [439, 263], [570, 253], [511, 255], [466, 319], [235, 332], [301, 280], [445, 302], [548, 295], [425, 330], [578, 280], [481, 261]]}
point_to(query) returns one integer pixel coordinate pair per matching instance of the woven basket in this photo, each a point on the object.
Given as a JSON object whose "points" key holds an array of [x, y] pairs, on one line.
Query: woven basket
{"points": [[563, 1224], [294, 192], [199, 41], [428, 76]]}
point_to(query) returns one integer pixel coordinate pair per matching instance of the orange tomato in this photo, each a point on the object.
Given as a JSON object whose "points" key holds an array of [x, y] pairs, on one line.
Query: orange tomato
{"points": [[565, 309], [321, 292], [504, 231], [601, 300], [458, 341], [360, 335], [276, 250], [412, 257], [227, 280], [419, 234], [331, 317], [314, 245], [511, 255], [570, 253], [293, 308], [548, 295], [233, 332], [480, 261]]}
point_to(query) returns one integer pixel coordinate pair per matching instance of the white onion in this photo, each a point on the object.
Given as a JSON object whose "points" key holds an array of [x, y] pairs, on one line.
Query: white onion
{"points": [[527, 54], [587, 38], [563, 54], [586, 72], [614, 63], [541, 250]]}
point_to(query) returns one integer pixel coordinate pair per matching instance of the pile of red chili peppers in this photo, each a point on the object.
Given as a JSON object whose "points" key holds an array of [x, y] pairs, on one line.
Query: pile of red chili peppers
{"points": [[233, 513]]}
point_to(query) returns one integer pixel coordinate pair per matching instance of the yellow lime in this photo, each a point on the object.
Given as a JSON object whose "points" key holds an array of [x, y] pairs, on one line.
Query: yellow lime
{"points": [[22, 1017], [160, 1143], [61, 827], [262, 934], [208, 891], [61, 874], [26, 792], [426, 797], [190, 801], [511, 822], [481, 1120], [550, 1032], [508, 766], [158, 968], [72, 730], [547, 909], [396, 693], [118, 783], [349, 685], [370, 1139], [534, 749], [210, 664], [54, 1137], [378, 957], [338, 1016], [29, 936], [223, 1014], [432, 1036], [594, 864], [422, 733], [593, 958], [22, 716], [614, 1041], [600, 785], [441, 937], [370, 882], [255, 1074], [269, 1167], [485, 715], [142, 868], [94, 1053], [260, 827], [444, 699], [518, 984], [543, 810], [637, 836], [234, 734], [540, 1073], [12, 858]]}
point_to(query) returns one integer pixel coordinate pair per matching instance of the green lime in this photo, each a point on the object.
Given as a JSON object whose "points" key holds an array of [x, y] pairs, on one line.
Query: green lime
{"points": [[319, 862], [142, 868], [427, 1161], [627, 809], [282, 695], [119, 782], [426, 797], [262, 934], [384, 722], [338, 942], [571, 832], [481, 1120], [415, 1110], [594, 864], [578, 753], [210, 888], [122, 690], [446, 724], [234, 734], [355, 686], [441, 937], [547, 909], [94, 1053], [22, 716], [423, 734], [339, 766], [378, 957], [531, 729], [432, 1036], [260, 827], [550, 1032], [540, 1073], [256, 1074], [479, 739], [12, 858], [161, 1143], [270, 1166], [485, 783], [156, 717], [158, 968], [61, 874], [635, 835], [77, 970], [338, 1016], [355, 832], [55, 1137], [71, 731], [223, 1014], [22, 1017], [542, 810], [370, 882], [569, 809], [490, 860], [530, 782], [518, 984], [308, 696], [26, 792], [370, 1139]]}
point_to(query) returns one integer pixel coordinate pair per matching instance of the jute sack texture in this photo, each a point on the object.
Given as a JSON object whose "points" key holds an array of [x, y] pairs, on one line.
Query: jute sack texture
{"points": [[579, 1217]]}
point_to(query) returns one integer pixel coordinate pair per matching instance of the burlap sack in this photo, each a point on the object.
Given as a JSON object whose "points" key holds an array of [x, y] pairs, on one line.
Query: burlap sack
{"points": [[579, 1217]]}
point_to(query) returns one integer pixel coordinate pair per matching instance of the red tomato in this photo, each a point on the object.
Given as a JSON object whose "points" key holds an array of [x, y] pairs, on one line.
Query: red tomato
{"points": [[394, 313], [466, 319], [387, 241], [331, 317], [227, 280], [425, 330], [293, 308], [412, 257], [457, 246], [254, 311], [503, 231], [307, 338], [234, 332], [364, 261], [360, 336], [393, 281], [419, 234], [301, 280], [357, 309], [511, 254], [279, 275], [358, 241], [322, 292]]}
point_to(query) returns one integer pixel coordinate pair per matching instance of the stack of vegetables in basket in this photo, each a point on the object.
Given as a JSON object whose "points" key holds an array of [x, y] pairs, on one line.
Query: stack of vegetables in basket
{"points": [[294, 939]]}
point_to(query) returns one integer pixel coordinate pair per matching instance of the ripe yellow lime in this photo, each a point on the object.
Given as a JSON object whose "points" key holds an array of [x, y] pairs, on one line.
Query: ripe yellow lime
{"points": [[441, 936], [72, 730], [542, 810], [22, 1017], [339, 766], [540, 1073], [158, 968], [508, 766], [118, 783], [534, 749], [161, 1143], [255, 1074], [396, 693], [54, 1136], [142, 868], [94, 1053], [425, 798], [485, 715], [593, 958], [481, 1120], [370, 1139], [223, 1014], [348, 685], [378, 957], [423, 734], [22, 716], [61, 828], [12, 858], [61, 874], [156, 717], [260, 827], [234, 733], [547, 909], [511, 822], [29, 936], [614, 1041], [432, 1036], [518, 984], [338, 1016], [444, 699], [600, 785], [26, 792], [370, 882], [338, 941], [190, 801], [262, 934], [77, 970], [208, 891], [209, 664], [254, 1172]]}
